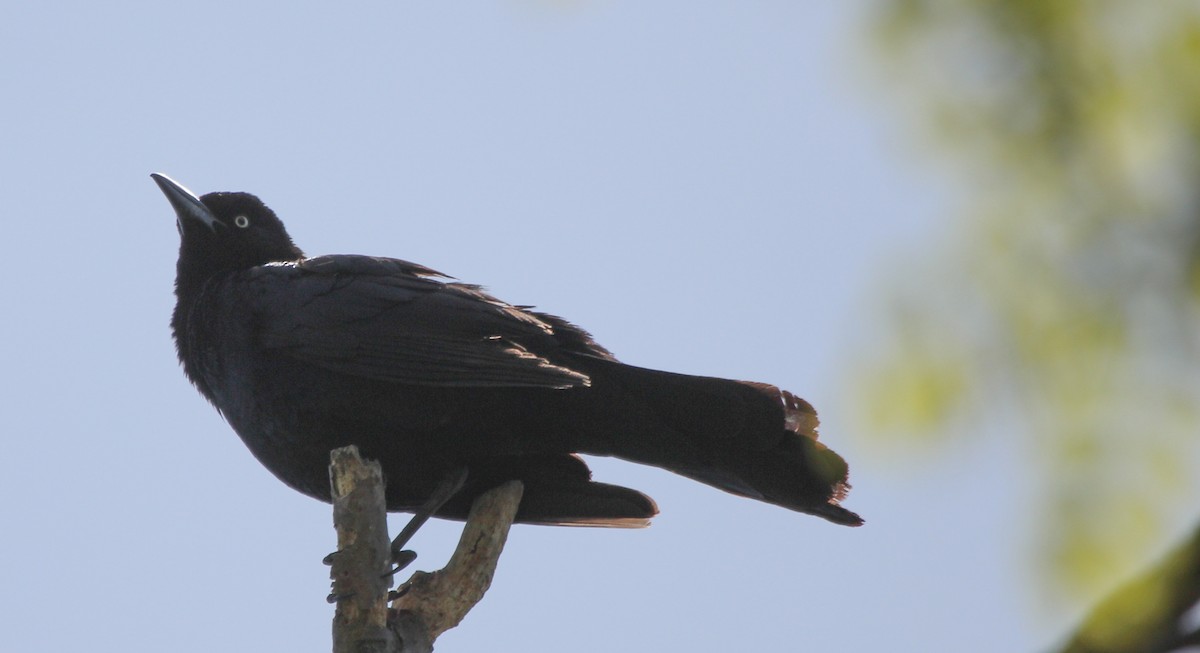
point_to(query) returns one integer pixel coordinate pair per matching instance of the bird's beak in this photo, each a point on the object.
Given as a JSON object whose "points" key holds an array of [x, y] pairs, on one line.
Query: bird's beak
{"points": [[187, 206]]}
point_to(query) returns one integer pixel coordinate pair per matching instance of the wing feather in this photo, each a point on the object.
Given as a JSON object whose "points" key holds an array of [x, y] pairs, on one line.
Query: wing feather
{"points": [[395, 321]]}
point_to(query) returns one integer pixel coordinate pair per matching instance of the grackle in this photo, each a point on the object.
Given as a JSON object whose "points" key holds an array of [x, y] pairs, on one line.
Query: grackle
{"points": [[432, 377]]}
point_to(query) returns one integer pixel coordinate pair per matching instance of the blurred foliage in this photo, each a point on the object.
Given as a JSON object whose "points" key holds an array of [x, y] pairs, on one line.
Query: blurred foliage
{"points": [[1067, 293], [1148, 614]]}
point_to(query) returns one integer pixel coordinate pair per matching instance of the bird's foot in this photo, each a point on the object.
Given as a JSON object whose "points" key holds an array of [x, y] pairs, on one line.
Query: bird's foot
{"points": [[401, 559], [446, 489]]}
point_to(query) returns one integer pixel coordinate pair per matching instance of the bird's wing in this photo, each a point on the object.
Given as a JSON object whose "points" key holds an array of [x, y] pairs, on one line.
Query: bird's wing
{"points": [[395, 321]]}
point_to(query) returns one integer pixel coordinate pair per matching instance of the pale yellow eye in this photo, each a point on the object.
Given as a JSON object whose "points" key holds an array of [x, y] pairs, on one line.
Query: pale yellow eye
{"points": [[241, 221]]}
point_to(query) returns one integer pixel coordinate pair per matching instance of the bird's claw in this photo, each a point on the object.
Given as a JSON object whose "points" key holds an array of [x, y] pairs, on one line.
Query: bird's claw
{"points": [[398, 592], [334, 597], [401, 559]]}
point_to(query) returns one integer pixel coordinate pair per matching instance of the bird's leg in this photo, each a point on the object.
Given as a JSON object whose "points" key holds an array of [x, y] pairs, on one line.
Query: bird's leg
{"points": [[447, 488]]}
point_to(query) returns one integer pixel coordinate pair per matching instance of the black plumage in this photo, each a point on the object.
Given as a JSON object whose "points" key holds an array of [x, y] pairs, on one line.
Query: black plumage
{"points": [[426, 375]]}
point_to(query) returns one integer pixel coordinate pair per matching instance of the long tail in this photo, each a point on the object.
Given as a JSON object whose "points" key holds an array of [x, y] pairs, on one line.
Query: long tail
{"points": [[750, 439]]}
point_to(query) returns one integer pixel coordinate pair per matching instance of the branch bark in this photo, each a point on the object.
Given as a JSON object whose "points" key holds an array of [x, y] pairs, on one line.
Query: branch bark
{"points": [[441, 599], [360, 565], [431, 603]]}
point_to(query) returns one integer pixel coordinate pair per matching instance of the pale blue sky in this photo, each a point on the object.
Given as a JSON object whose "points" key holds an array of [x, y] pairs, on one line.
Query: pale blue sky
{"points": [[711, 188]]}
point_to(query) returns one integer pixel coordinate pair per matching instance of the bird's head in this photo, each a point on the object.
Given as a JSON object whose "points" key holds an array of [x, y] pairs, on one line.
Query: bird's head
{"points": [[224, 232]]}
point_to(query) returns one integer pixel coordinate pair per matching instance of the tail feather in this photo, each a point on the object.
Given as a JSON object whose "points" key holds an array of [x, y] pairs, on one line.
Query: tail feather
{"points": [[587, 504], [801, 461], [747, 438], [558, 491]]}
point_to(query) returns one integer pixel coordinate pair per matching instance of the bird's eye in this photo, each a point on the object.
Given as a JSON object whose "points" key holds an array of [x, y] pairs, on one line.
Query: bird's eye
{"points": [[241, 221]]}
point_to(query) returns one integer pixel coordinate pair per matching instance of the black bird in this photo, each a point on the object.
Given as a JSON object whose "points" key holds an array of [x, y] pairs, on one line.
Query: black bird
{"points": [[428, 376]]}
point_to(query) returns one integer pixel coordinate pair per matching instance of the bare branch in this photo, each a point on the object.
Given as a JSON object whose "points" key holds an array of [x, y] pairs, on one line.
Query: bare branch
{"points": [[441, 599], [358, 568], [432, 603]]}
